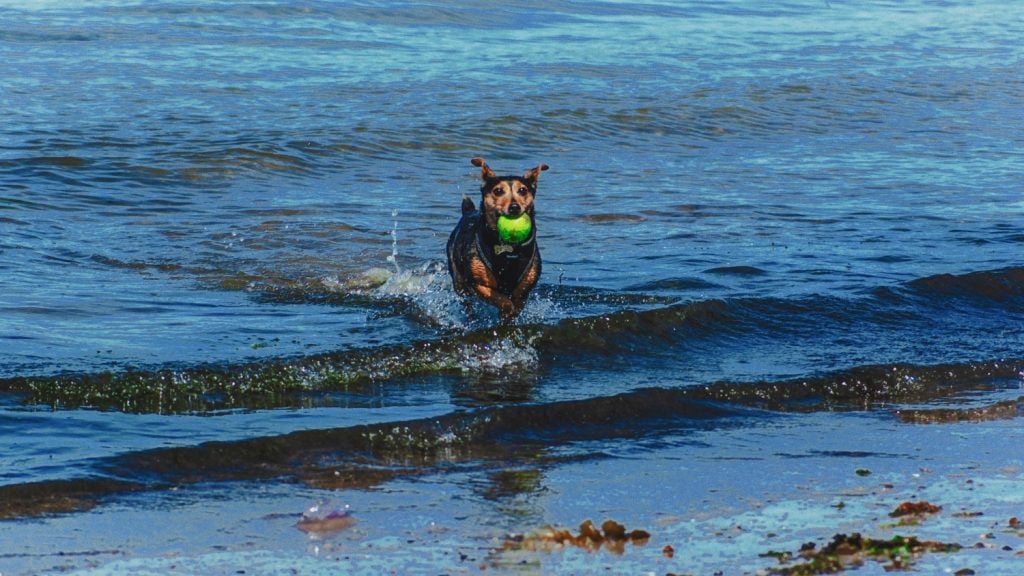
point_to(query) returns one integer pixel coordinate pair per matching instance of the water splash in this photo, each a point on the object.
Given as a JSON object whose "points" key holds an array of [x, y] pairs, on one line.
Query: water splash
{"points": [[424, 280], [426, 288], [430, 291], [393, 258], [365, 282], [502, 355]]}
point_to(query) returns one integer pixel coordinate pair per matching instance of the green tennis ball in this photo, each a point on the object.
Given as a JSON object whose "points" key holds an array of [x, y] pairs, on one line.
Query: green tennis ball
{"points": [[514, 230]]}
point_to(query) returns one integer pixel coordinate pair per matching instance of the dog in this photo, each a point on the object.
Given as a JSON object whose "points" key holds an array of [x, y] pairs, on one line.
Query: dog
{"points": [[479, 262]]}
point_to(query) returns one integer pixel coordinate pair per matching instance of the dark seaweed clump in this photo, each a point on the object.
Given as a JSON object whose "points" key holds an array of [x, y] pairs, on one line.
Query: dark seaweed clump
{"points": [[848, 551], [612, 536]]}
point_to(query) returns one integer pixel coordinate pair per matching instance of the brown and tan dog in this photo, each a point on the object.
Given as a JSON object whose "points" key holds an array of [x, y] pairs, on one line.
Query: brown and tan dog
{"points": [[500, 274]]}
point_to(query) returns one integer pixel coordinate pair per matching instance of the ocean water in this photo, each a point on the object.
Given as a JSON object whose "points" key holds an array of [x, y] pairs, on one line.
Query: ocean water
{"points": [[781, 242]]}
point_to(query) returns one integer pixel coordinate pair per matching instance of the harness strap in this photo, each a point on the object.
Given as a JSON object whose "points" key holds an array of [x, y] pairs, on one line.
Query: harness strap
{"points": [[499, 249]]}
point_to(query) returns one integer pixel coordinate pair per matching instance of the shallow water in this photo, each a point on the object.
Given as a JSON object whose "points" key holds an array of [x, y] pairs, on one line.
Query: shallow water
{"points": [[225, 222]]}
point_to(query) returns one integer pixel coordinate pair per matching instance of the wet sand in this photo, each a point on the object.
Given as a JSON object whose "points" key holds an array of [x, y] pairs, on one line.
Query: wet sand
{"points": [[755, 496]]}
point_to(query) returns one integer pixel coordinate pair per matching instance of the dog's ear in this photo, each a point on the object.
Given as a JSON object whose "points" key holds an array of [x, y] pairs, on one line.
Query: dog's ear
{"points": [[531, 176], [485, 170]]}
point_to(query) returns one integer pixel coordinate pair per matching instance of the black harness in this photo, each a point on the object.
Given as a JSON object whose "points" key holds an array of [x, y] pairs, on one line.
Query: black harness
{"points": [[508, 262]]}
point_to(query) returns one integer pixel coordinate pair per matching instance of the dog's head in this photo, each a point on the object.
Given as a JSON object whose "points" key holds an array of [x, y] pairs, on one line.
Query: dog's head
{"points": [[506, 195]]}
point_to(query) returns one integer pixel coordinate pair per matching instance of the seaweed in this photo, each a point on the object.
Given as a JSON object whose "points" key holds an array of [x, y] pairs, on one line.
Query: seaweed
{"points": [[51, 497], [912, 513], [914, 509], [847, 551], [1005, 410], [611, 536]]}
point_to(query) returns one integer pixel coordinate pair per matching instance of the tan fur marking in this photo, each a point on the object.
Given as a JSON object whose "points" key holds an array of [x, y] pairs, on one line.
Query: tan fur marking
{"points": [[533, 174], [482, 276], [499, 197], [485, 170], [486, 288], [529, 280]]}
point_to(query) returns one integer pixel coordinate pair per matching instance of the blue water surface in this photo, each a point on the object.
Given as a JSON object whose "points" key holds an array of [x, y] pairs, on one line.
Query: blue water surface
{"points": [[739, 192]]}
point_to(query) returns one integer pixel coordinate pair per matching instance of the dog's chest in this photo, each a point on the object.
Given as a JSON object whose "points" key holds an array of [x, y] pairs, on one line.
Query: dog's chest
{"points": [[509, 264]]}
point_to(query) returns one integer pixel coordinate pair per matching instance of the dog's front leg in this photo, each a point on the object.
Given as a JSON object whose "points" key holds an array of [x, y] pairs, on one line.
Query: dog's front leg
{"points": [[506, 307]]}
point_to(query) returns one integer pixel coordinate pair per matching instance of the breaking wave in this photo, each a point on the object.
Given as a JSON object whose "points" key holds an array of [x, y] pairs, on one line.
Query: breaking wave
{"points": [[368, 454], [628, 334]]}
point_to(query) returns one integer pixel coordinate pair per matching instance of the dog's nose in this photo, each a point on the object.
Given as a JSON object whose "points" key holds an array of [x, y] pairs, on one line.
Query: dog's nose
{"points": [[514, 209]]}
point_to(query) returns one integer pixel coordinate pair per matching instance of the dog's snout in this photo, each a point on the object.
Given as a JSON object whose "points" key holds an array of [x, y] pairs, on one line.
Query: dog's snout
{"points": [[514, 209]]}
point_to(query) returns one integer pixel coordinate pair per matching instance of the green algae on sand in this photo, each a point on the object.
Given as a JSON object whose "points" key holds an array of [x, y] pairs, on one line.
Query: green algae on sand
{"points": [[849, 551]]}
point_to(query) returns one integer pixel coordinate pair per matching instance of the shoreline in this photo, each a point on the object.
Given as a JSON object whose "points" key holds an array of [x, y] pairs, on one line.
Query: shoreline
{"points": [[761, 490]]}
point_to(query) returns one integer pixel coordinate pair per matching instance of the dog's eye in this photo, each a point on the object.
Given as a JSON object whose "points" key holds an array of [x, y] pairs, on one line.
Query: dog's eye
{"points": [[498, 191], [524, 190]]}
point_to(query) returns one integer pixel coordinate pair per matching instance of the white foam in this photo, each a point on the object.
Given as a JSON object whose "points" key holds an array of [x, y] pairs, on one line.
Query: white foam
{"points": [[363, 283], [499, 355], [538, 310], [412, 282]]}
